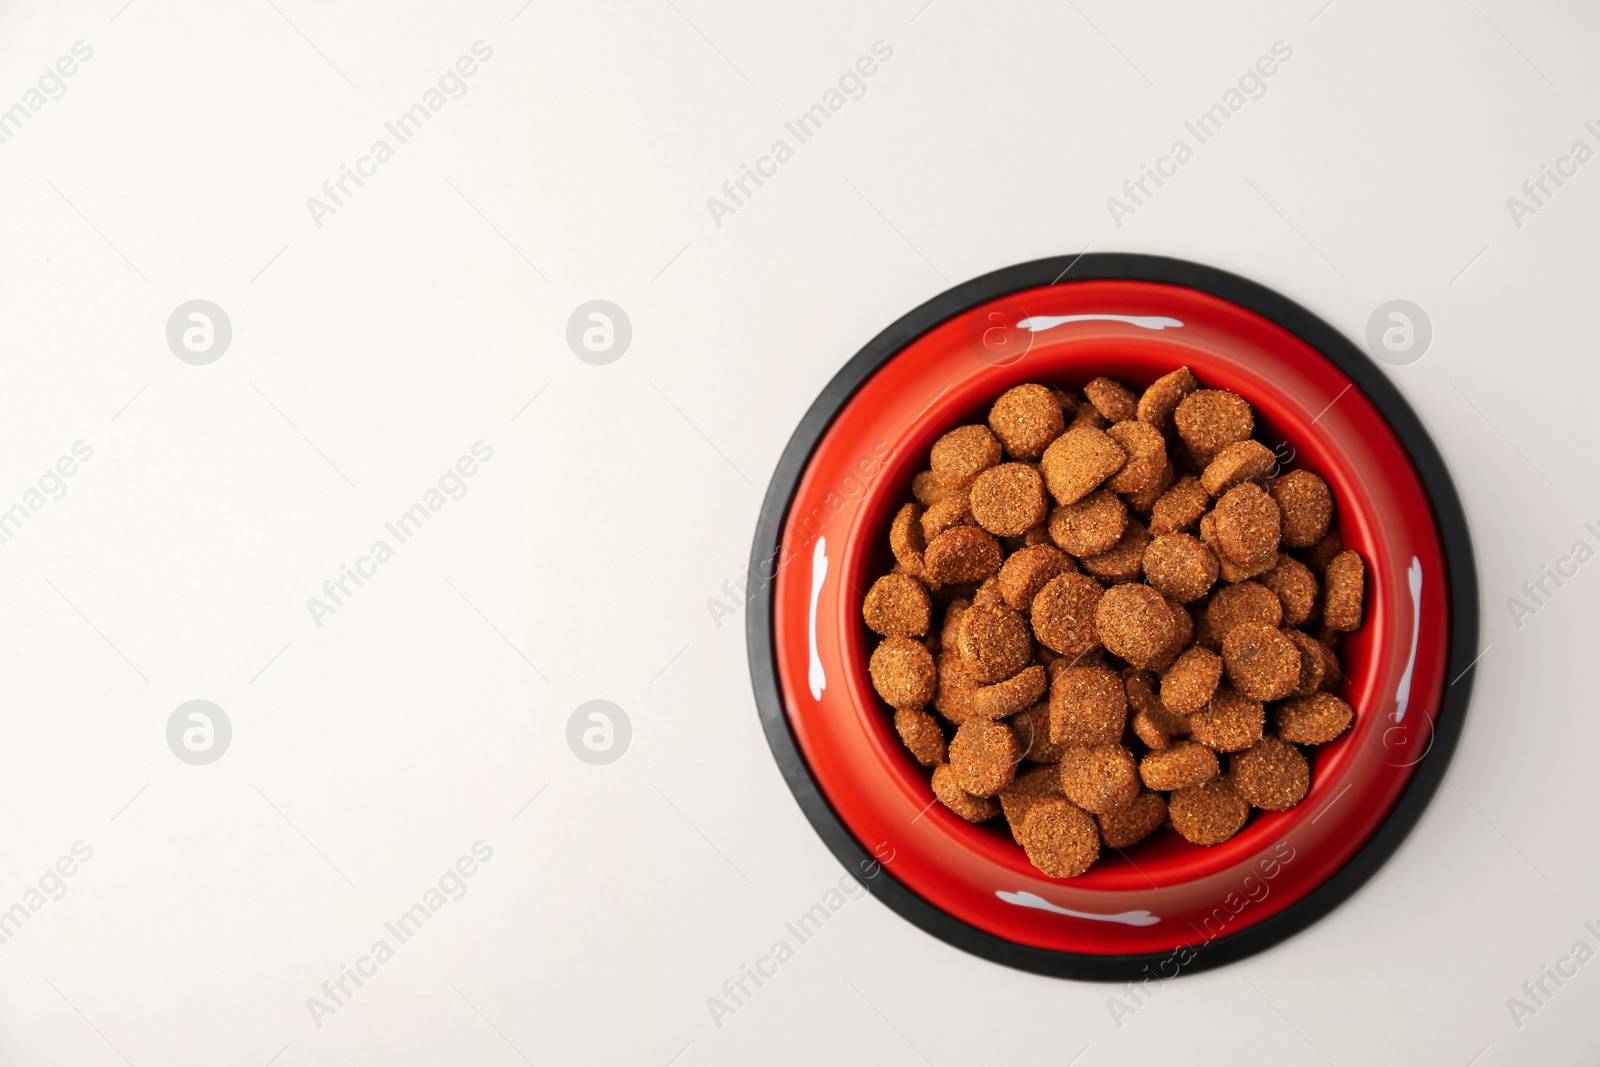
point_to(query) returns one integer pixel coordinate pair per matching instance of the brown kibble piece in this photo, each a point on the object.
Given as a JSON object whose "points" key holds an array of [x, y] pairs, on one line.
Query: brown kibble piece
{"points": [[1026, 571], [1077, 462], [1029, 787], [1247, 524], [1313, 720], [1063, 614], [962, 454], [1313, 665], [1227, 569], [1086, 417], [1180, 567], [984, 756], [1099, 778], [988, 594], [1143, 502], [1190, 682], [898, 605], [1091, 525], [1088, 706], [1008, 500], [1179, 507], [994, 642], [1182, 634], [1180, 765], [1032, 725], [1111, 398], [1229, 722], [1295, 587], [906, 540], [1319, 555], [921, 734], [1342, 586], [961, 554], [1124, 561], [1163, 397], [1012, 695], [1239, 462], [1208, 813], [903, 673], [1332, 674], [953, 509], [1210, 420], [958, 800], [953, 698], [1134, 622], [1146, 453], [1270, 774], [1307, 506], [1145, 701], [1261, 662], [928, 490], [1026, 418], [1243, 602], [1060, 837], [1133, 822]]}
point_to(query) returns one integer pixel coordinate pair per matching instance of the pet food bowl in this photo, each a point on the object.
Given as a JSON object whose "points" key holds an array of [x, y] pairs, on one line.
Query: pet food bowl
{"points": [[1164, 906]]}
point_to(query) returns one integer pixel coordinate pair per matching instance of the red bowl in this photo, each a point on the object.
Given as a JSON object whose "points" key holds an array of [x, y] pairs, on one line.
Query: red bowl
{"points": [[1164, 906]]}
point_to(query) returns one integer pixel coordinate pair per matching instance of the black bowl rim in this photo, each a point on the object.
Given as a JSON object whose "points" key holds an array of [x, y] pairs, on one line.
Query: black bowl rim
{"points": [[1459, 565]]}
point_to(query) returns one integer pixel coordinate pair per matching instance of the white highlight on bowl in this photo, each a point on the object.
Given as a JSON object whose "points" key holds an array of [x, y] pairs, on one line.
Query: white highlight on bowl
{"points": [[1037, 323], [819, 571], [1024, 899], [1402, 692]]}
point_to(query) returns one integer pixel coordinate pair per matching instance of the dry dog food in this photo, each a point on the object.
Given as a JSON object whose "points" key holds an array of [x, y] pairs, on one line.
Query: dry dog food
{"points": [[1111, 612]]}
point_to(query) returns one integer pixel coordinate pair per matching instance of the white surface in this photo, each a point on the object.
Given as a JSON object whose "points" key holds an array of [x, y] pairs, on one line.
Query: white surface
{"points": [[406, 328]]}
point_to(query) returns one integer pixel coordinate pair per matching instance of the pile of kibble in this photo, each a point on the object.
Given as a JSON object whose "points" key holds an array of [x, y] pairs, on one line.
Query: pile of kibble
{"points": [[1097, 599]]}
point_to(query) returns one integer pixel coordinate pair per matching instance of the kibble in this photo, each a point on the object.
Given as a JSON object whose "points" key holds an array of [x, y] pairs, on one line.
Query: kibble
{"points": [[963, 554], [1088, 706], [962, 454], [1091, 525], [1099, 778], [1134, 623], [1063, 614], [958, 800], [1230, 721], [984, 756], [1179, 566], [1208, 813], [1026, 418], [1342, 585], [921, 734], [1134, 821], [1028, 570], [1192, 680], [1307, 507], [1270, 774], [1312, 720], [1210, 420], [1060, 838], [1078, 461], [1180, 765], [903, 673], [1261, 662], [1097, 597], [898, 605], [1008, 500]]}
